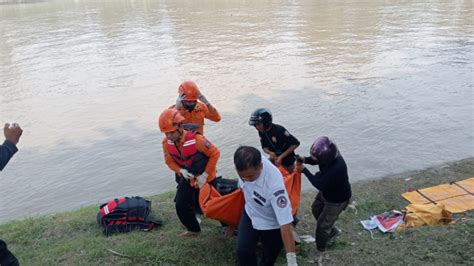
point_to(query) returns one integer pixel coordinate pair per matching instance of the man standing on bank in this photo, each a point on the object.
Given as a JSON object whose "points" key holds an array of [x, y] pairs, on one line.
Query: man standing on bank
{"points": [[267, 210], [195, 107], [7, 150], [276, 141], [334, 194], [193, 159]]}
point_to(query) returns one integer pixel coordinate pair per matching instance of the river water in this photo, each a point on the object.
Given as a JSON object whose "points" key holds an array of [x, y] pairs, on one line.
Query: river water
{"points": [[390, 81]]}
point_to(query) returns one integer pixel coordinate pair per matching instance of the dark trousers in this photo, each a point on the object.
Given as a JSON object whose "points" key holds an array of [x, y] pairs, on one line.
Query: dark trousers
{"points": [[247, 243], [186, 199], [6, 257], [326, 214]]}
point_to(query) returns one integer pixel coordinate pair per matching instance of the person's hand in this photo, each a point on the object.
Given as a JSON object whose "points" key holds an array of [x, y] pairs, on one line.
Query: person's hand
{"points": [[179, 101], [278, 160], [187, 175], [299, 158], [299, 167], [272, 156], [202, 179], [291, 259], [203, 99], [12, 132]]}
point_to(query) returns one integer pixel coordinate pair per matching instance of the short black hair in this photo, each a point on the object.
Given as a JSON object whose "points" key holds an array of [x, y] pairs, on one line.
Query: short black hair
{"points": [[246, 157]]}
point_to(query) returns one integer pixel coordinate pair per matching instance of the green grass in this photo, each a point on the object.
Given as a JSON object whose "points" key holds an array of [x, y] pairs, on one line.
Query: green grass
{"points": [[74, 238]]}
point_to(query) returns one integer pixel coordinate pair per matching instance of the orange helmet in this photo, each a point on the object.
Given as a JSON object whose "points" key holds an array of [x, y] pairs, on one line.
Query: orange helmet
{"points": [[170, 120], [190, 90]]}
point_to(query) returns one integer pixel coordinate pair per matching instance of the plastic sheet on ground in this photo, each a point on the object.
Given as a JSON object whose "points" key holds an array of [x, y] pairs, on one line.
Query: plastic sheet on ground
{"points": [[457, 197], [386, 222], [425, 214]]}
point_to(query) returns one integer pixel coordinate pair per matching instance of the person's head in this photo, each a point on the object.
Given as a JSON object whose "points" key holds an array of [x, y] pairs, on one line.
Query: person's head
{"points": [[171, 123], [261, 119], [248, 163], [191, 93], [323, 150]]}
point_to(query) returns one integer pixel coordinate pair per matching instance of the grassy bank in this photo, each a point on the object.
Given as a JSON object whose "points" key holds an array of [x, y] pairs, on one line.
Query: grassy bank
{"points": [[74, 238]]}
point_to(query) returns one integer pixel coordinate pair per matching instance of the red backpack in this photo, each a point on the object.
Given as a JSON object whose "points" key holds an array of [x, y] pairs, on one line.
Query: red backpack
{"points": [[125, 214]]}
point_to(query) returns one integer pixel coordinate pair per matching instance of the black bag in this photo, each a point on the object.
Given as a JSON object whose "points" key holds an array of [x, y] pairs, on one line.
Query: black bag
{"points": [[225, 186], [125, 214]]}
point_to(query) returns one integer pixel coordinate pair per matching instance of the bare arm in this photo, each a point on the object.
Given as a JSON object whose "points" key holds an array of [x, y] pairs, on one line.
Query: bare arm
{"points": [[288, 151], [267, 151], [273, 156], [287, 237]]}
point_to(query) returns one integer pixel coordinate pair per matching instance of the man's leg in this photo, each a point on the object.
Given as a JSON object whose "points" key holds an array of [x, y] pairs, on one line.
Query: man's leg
{"points": [[197, 207], [318, 205], [184, 206], [272, 245], [325, 224], [246, 241]]}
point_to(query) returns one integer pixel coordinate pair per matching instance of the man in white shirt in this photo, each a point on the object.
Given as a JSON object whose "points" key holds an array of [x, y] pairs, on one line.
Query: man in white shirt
{"points": [[267, 213]]}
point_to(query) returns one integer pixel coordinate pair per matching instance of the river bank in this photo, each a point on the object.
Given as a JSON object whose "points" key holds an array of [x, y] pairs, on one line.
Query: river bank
{"points": [[390, 81], [74, 238]]}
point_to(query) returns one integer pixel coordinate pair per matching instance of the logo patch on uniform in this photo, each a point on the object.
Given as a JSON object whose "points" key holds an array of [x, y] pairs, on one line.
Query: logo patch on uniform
{"points": [[274, 139], [282, 201], [279, 192], [287, 133]]}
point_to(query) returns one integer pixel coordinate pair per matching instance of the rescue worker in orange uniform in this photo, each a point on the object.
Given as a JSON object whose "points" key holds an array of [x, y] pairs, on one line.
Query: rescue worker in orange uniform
{"points": [[193, 159], [192, 110]]}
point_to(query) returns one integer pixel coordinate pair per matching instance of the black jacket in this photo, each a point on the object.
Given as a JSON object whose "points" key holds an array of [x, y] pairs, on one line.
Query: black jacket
{"points": [[278, 140], [332, 180], [7, 150], [6, 257]]}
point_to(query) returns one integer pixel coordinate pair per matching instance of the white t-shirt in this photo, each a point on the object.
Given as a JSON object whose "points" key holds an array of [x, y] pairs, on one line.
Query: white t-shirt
{"points": [[266, 200]]}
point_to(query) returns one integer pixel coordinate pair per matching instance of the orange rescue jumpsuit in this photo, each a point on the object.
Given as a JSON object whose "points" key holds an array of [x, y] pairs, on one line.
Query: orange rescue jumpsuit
{"points": [[197, 115]]}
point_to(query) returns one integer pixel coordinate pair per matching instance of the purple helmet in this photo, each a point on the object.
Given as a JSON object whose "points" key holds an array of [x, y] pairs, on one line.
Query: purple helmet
{"points": [[324, 150]]}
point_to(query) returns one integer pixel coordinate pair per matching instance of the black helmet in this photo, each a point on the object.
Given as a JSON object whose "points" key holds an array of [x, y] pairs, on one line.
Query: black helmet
{"points": [[261, 115]]}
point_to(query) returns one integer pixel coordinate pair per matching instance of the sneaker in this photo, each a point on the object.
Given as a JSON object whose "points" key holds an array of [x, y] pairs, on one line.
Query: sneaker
{"points": [[320, 256], [198, 218]]}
